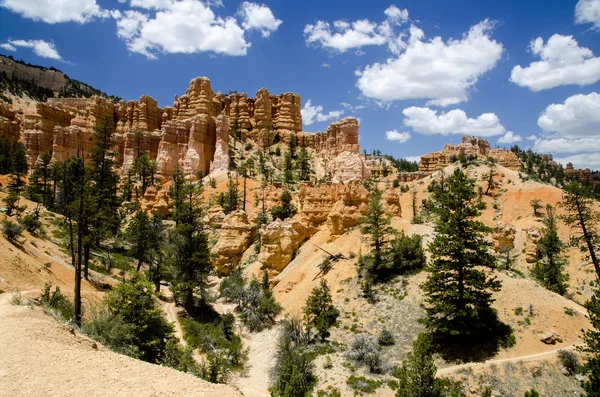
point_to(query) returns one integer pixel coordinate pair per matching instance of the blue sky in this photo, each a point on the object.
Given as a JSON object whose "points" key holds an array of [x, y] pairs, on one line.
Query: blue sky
{"points": [[417, 74]]}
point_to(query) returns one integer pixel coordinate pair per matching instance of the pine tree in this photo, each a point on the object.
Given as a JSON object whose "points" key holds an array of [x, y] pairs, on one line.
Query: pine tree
{"points": [[177, 193], [550, 270], [591, 347], [577, 201], [536, 204], [286, 209], [20, 168], [377, 224], [288, 168], [139, 235], [319, 310], [489, 177], [303, 164], [104, 183], [292, 146], [144, 170], [416, 377], [189, 255], [459, 294]]}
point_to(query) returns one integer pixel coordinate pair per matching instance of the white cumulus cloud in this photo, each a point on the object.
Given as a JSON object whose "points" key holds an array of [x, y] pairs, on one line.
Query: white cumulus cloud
{"points": [[577, 117], [8, 47], [563, 62], [396, 136], [510, 137], [586, 160], [191, 26], [41, 48], [311, 114], [427, 121], [341, 36], [588, 11], [56, 11], [442, 72], [414, 159], [259, 17]]}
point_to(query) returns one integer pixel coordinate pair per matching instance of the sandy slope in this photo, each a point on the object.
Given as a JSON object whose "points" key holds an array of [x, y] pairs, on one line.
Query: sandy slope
{"points": [[40, 357]]}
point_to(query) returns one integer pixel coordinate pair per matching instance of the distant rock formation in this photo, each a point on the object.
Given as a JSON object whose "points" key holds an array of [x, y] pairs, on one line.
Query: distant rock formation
{"points": [[469, 146], [9, 122], [193, 133]]}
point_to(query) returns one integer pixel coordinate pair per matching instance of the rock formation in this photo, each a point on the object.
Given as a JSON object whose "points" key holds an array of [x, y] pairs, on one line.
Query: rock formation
{"points": [[532, 250], [504, 236], [9, 122], [469, 146], [582, 175], [236, 235], [279, 240], [342, 205], [193, 133]]}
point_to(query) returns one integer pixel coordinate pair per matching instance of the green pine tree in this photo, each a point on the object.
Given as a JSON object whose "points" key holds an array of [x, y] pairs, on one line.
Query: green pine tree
{"points": [[288, 168], [377, 225], [583, 220], [189, 254], [459, 294], [303, 164], [591, 347], [550, 270], [20, 168], [416, 377], [319, 310]]}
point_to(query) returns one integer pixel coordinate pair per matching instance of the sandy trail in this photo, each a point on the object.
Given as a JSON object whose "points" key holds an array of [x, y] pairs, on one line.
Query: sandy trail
{"points": [[528, 357], [41, 357], [261, 352]]}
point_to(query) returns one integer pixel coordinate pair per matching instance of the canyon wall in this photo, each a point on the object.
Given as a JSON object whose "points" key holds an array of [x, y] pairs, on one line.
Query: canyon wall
{"points": [[192, 134]]}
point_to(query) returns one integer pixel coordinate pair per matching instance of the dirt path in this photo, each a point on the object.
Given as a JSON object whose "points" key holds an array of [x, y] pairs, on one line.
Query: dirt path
{"points": [[42, 357], [528, 357], [261, 353], [171, 312]]}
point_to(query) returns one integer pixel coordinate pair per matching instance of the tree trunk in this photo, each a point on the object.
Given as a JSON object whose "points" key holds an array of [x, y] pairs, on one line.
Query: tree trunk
{"points": [[244, 206], [189, 301], [86, 259], [589, 242]]}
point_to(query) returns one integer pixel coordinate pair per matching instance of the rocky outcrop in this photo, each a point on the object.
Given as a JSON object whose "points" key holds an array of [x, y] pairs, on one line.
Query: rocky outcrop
{"points": [[470, 146], [279, 240], [350, 209], [220, 160], [504, 237], [582, 175], [317, 201], [215, 216], [192, 134], [532, 250], [342, 205], [9, 122], [391, 202], [236, 235]]}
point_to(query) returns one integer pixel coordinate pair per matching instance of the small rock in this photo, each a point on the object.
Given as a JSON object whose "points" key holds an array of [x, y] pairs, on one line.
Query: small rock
{"points": [[94, 346], [536, 372], [579, 377], [565, 371]]}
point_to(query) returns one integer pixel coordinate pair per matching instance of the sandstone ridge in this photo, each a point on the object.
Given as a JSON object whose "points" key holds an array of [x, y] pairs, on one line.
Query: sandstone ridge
{"points": [[193, 133]]}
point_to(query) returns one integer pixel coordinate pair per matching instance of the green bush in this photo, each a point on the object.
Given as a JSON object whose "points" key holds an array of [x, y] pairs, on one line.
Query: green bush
{"points": [[363, 385], [286, 209], [12, 231], [180, 358], [364, 351], [293, 373], [319, 310], [569, 360], [57, 301], [385, 338], [133, 301], [31, 223], [112, 331]]}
